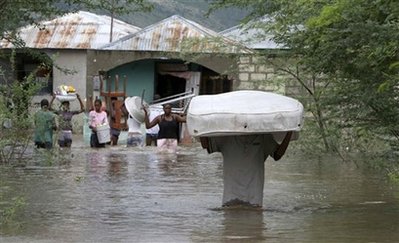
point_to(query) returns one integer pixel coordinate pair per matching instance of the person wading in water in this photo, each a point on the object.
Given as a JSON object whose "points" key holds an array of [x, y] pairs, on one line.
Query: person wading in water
{"points": [[243, 165], [168, 128]]}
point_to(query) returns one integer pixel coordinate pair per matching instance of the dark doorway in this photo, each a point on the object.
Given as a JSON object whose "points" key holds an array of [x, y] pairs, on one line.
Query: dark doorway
{"points": [[168, 85], [214, 83], [26, 64]]}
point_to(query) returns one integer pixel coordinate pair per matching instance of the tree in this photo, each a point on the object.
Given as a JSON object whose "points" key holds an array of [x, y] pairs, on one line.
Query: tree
{"points": [[17, 13], [15, 95], [352, 44]]}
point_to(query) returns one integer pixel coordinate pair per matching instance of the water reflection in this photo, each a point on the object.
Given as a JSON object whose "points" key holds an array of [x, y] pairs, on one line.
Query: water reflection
{"points": [[166, 162], [243, 224], [123, 194], [117, 165]]}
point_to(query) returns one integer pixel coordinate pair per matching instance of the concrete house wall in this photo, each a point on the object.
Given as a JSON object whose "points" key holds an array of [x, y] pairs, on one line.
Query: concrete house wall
{"points": [[75, 62], [141, 64]]}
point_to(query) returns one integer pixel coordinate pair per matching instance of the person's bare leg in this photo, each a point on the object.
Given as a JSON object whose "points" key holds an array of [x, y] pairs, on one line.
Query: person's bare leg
{"points": [[114, 140], [148, 140]]}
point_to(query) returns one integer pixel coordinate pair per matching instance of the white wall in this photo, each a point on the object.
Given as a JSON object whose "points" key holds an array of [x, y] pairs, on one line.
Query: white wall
{"points": [[75, 62]]}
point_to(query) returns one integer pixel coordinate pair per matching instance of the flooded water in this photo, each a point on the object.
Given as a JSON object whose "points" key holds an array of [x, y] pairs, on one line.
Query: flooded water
{"points": [[124, 194]]}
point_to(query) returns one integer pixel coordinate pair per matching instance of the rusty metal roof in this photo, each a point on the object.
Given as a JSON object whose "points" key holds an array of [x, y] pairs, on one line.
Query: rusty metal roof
{"points": [[252, 35], [81, 30], [176, 34]]}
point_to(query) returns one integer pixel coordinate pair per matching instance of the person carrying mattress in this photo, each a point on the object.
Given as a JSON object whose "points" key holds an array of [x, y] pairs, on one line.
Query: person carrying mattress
{"points": [[243, 165]]}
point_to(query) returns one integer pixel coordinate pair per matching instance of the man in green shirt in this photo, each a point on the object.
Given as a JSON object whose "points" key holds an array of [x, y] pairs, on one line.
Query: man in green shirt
{"points": [[44, 126]]}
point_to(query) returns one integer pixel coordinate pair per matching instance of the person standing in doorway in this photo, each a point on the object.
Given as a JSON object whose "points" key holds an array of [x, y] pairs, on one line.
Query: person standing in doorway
{"points": [[65, 136], [168, 128], [243, 165], [45, 123]]}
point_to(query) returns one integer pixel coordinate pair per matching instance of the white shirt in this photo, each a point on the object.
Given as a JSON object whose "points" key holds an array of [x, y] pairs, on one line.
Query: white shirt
{"points": [[134, 126], [155, 129]]}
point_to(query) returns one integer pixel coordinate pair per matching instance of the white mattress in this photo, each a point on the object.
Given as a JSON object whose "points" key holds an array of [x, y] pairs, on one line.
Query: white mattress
{"points": [[244, 112]]}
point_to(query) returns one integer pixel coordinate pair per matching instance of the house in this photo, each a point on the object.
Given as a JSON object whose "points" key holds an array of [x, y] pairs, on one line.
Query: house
{"points": [[251, 37], [170, 57], [263, 69], [65, 40]]}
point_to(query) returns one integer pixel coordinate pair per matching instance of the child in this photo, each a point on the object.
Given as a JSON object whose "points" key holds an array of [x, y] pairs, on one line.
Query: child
{"points": [[97, 117]]}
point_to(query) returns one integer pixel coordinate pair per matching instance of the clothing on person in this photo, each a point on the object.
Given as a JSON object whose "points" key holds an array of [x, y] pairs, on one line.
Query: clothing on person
{"points": [[65, 121], [65, 124], [65, 138], [115, 132], [134, 140], [94, 143], [44, 126], [168, 127], [168, 135], [167, 145], [117, 119], [243, 166], [134, 136], [96, 118], [152, 133], [150, 138]]}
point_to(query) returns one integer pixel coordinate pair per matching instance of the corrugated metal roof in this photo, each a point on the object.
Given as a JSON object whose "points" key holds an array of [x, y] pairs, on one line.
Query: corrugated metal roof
{"points": [[169, 35], [81, 30], [251, 37]]}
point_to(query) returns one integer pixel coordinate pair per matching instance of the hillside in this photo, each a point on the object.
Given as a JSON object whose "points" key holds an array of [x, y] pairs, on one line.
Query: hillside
{"points": [[194, 10]]}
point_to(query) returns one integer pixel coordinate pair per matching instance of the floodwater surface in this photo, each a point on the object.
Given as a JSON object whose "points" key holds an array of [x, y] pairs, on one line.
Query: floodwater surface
{"points": [[120, 194]]}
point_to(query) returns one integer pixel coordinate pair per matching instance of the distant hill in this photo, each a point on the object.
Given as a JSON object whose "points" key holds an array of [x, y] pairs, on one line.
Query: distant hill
{"points": [[194, 10]]}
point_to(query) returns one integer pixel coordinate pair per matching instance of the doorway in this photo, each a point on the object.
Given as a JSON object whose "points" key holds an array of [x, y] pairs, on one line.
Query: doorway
{"points": [[168, 85]]}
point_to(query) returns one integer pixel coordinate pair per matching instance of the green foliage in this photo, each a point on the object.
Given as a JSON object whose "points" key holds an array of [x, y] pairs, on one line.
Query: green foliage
{"points": [[16, 95], [9, 213], [394, 175], [9, 210], [348, 50], [17, 13], [15, 117]]}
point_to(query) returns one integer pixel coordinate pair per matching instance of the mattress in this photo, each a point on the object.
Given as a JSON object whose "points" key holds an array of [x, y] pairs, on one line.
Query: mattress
{"points": [[244, 112]]}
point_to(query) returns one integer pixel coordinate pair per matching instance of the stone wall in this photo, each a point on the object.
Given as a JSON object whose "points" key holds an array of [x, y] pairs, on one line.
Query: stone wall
{"points": [[257, 73]]}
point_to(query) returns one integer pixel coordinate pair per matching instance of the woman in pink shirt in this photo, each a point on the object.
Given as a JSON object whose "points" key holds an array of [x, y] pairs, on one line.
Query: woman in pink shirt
{"points": [[96, 117]]}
